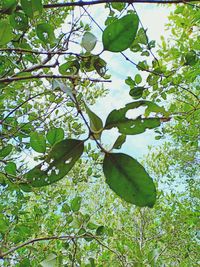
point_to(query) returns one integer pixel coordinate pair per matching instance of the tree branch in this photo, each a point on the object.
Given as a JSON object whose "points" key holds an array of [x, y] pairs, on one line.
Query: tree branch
{"points": [[70, 77], [89, 3]]}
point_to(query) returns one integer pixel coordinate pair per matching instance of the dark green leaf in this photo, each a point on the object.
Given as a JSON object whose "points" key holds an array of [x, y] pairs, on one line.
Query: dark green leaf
{"points": [[69, 68], [38, 142], [120, 34], [100, 230], [32, 8], [129, 180], [8, 6], [5, 32], [45, 33], [119, 142], [55, 135], [117, 118], [89, 41], [57, 164], [137, 92], [76, 204], [5, 151]]}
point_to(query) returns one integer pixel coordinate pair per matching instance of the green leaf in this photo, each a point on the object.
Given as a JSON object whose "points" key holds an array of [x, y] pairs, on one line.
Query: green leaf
{"points": [[100, 66], [50, 261], [57, 164], [76, 204], [119, 35], [8, 6], [69, 68], [32, 8], [5, 32], [96, 124], [55, 135], [119, 142], [5, 151], [66, 208], [117, 118], [100, 230], [129, 180], [11, 168], [137, 92], [45, 33], [138, 78], [19, 21], [89, 41], [118, 6], [38, 142]]}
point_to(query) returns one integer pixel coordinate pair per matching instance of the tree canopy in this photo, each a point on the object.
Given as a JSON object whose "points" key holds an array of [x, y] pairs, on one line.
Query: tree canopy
{"points": [[67, 198]]}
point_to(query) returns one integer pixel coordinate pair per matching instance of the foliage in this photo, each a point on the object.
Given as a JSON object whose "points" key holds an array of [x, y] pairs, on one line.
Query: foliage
{"points": [[56, 208]]}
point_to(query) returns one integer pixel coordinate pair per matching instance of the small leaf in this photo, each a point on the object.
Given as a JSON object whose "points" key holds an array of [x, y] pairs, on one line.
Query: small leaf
{"points": [[119, 35], [100, 230], [138, 78], [129, 180], [118, 6], [65, 88], [69, 68], [76, 204], [89, 41], [137, 92], [5, 32], [96, 123], [32, 8], [45, 33], [55, 135], [119, 142], [66, 208], [117, 118], [38, 142], [57, 164], [11, 168], [5, 151]]}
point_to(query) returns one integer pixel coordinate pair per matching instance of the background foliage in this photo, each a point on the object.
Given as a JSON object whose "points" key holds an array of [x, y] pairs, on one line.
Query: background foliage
{"points": [[56, 175]]}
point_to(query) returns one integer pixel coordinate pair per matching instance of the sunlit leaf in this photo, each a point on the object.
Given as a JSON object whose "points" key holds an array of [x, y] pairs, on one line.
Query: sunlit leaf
{"points": [[45, 33], [32, 8], [38, 142], [55, 135], [120, 34], [5, 32], [129, 180], [76, 204]]}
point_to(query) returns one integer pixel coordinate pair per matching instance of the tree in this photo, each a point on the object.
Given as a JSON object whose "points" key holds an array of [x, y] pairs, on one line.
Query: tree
{"points": [[51, 174]]}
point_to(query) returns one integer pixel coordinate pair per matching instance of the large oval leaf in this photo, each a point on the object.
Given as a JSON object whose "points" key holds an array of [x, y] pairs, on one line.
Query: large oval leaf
{"points": [[129, 180], [120, 34], [57, 164]]}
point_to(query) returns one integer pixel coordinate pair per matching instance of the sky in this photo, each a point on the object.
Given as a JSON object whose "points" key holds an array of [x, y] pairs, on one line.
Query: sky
{"points": [[154, 18]]}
